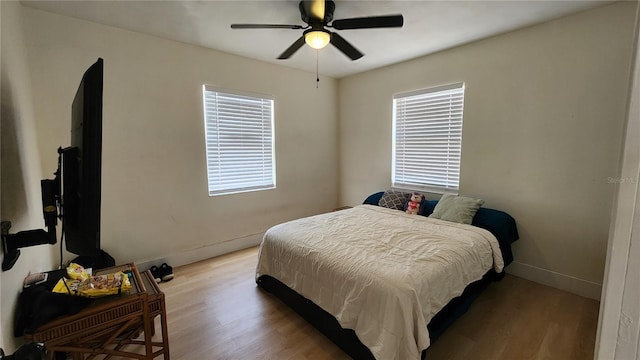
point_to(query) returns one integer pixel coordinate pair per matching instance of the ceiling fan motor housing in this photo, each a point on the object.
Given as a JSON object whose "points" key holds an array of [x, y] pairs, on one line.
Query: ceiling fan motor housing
{"points": [[305, 6]]}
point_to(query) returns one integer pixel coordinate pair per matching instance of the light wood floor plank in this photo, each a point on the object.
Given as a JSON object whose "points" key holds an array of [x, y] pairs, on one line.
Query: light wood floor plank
{"points": [[216, 311]]}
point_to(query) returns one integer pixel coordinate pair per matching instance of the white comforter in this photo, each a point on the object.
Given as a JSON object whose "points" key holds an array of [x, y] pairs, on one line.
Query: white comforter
{"points": [[380, 272]]}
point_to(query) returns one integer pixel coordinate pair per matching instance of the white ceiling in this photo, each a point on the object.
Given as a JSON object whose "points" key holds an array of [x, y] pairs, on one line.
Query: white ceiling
{"points": [[429, 26]]}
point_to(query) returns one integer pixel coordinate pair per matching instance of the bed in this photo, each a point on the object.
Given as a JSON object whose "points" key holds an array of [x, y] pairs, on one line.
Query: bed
{"points": [[379, 282]]}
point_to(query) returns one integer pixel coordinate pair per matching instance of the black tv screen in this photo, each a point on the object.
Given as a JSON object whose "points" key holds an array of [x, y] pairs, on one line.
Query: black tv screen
{"points": [[82, 167]]}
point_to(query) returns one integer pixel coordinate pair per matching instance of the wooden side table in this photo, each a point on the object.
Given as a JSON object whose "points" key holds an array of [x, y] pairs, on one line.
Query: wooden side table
{"points": [[111, 323]]}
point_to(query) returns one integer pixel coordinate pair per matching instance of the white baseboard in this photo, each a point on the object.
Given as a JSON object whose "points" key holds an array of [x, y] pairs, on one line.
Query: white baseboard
{"points": [[568, 283], [204, 252]]}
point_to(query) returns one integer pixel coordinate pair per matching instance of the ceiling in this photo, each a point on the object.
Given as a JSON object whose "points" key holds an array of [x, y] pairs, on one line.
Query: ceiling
{"points": [[429, 26]]}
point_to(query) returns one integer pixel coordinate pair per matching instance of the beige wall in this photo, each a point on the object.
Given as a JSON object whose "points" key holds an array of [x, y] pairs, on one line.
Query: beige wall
{"points": [[21, 173], [155, 203], [543, 124]]}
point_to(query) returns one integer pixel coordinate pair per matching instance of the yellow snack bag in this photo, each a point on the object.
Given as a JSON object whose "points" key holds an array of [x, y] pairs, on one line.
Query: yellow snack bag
{"points": [[77, 272], [95, 286], [101, 285], [66, 286]]}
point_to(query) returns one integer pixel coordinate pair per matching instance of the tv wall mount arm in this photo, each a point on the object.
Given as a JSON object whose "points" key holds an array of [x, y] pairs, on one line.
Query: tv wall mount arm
{"points": [[13, 242], [51, 200]]}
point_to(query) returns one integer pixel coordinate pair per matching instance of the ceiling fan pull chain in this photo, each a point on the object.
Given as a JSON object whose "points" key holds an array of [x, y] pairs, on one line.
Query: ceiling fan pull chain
{"points": [[317, 76]]}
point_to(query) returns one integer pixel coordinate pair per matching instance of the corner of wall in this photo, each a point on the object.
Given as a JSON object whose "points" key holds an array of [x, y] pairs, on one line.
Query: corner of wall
{"points": [[619, 283]]}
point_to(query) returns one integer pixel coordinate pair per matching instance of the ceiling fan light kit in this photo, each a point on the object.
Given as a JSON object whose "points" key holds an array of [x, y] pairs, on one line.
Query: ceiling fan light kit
{"points": [[317, 39], [318, 15]]}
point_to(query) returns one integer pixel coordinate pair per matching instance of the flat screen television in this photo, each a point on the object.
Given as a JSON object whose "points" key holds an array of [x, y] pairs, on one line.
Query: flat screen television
{"points": [[82, 167]]}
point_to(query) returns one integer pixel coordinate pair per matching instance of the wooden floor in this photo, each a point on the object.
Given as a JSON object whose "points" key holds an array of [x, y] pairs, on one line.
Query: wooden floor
{"points": [[216, 311]]}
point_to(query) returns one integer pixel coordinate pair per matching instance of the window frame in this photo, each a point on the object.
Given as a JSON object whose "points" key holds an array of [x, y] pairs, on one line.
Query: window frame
{"points": [[267, 142], [449, 178]]}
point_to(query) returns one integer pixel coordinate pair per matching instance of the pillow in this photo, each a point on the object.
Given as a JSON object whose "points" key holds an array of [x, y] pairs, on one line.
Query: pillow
{"points": [[373, 199], [394, 199], [427, 206], [460, 209]]}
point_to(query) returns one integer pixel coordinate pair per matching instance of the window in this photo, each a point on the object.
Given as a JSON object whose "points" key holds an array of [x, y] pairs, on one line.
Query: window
{"points": [[427, 131], [239, 136]]}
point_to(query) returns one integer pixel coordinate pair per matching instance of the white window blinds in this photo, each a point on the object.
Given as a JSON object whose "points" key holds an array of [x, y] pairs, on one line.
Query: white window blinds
{"points": [[240, 141], [427, 128]]}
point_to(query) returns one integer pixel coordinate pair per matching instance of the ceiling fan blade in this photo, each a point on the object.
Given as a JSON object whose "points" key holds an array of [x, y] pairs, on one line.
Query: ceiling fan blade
{"points": [[292, 49], [344, 46], [266, 26], [369, 22]]}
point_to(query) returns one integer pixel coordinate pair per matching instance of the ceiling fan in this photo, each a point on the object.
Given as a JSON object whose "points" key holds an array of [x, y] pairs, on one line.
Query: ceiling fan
{"points": [[318, 15]]}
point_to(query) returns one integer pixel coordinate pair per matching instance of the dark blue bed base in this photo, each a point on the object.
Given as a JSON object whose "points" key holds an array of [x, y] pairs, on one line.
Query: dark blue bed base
{"points": [[499, 223]]}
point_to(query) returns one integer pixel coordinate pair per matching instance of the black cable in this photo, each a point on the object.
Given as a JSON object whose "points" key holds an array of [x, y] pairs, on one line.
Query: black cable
{"points": [[61, 242], [60, 202]]}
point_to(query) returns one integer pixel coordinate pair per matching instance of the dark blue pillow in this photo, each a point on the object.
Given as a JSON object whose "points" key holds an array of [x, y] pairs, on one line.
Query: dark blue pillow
{"points": [[499, 223], [373, 199], [426, 207]]}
